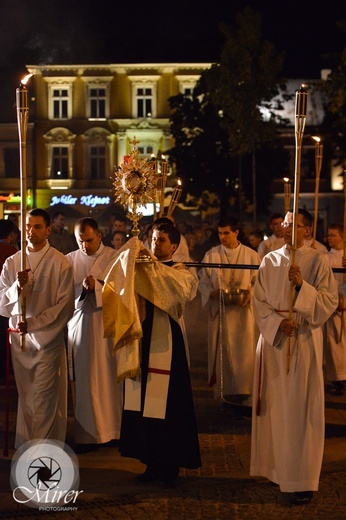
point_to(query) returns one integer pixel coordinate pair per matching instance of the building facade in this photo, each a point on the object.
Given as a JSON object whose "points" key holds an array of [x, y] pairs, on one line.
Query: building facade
{"points": [[83, 118]]}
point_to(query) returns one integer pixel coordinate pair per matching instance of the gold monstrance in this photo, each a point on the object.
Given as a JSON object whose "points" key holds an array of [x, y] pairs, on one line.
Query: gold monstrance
{"points": [[134, 185]]}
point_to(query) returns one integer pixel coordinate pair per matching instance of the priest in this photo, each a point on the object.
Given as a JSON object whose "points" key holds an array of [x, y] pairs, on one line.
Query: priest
{"points": [[143, 302]]}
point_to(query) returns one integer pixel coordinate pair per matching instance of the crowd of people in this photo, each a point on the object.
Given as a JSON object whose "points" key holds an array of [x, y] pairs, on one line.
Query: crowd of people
{"points": [[86, 305]]}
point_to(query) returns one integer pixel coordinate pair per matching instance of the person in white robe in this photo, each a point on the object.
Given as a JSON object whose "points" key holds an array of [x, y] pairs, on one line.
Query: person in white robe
{"points": [[231, 328], [309, 241], [40, 370], [288, 400], [98, 397], [276, 240], [335, 327]]}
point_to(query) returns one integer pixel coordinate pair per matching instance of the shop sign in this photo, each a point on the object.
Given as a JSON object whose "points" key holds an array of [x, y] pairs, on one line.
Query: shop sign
{"points": [[86, 200]]}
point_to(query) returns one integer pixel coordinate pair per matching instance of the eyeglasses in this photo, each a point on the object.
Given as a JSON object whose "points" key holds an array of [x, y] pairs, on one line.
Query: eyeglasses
{"points": [[290, 224]]}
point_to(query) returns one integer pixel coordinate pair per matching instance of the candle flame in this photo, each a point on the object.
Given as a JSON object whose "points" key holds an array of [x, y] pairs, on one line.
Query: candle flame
{"points": [[286, 179], [316, 138], [26, 79], [179, 182]]}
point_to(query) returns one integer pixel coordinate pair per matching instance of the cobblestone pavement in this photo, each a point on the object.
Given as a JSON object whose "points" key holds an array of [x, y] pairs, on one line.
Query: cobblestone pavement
{"points": [[221, 489]]}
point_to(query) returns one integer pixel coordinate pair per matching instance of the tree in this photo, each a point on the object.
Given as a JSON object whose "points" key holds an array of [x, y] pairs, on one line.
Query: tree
{"points": [[334, 90], [231, 114]]}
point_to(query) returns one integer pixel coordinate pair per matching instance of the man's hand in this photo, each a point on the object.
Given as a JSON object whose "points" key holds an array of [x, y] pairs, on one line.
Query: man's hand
{"points": [[288, 327], [22, 278], [294, 275], [22, 326], [89, 283]]}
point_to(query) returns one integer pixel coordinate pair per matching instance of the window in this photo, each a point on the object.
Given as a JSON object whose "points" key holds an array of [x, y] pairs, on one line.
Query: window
{"points": [[59, 162], [145, 150], [11, 160], [97, 99], [187, 84], [187, 91], [97, 95], [97, 162], [60, 103], [144, 98], [144, 89], [59, 97]]}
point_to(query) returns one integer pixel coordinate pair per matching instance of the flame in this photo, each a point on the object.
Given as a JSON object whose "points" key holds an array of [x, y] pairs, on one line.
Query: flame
{"points": [[286, 179], [179, 182], [26, 79], [316, 138]]}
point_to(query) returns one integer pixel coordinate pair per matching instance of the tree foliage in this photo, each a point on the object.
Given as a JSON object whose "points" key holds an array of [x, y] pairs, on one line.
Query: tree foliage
{"points": [[231, 114], [334, 90]]}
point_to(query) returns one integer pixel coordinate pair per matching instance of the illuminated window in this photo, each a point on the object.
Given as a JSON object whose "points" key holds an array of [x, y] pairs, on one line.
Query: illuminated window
{"points": [[60, 103], [145, 150], [144, 92], [97, 95], [97, 162], [60, 97], [144, 99], [97, 100], [59, 169]]}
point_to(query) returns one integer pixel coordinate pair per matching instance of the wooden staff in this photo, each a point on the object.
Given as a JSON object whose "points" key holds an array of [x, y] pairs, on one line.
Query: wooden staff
{"points": [[22, 103], [318, 166], [300, 119], [344, 233]]}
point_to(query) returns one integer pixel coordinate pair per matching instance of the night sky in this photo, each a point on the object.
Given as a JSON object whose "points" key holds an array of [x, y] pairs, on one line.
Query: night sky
{"points": [[75, 31]]}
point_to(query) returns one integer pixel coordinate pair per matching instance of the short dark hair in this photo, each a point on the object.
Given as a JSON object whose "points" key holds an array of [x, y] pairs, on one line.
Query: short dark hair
{"points": [[228, 220], [258, 233], [339, 227], [116, 216], [85, 222], [172, 232], [117, 232], [274, 216], [162, 220], [307, 218], [6, 228], [38, 212], [56, 214]]}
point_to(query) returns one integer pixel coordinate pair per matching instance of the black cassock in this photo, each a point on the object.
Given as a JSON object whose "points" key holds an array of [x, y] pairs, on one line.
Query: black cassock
{"points": [[172, 441]]}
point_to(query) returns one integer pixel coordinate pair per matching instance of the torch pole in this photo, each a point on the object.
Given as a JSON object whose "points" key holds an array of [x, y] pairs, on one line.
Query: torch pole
{"points": [[300, 119], [318, 166], [344, 232], [22, 119]]}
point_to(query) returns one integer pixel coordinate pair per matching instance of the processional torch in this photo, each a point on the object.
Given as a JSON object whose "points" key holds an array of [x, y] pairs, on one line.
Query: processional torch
{"points": [[318, 166], [300, 119], [287, 194], [22, 102], [344, 234], [175, 198]]}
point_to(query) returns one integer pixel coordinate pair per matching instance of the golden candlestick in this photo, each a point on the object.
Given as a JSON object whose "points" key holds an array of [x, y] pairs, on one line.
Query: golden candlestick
{"points": [[22, 103], [300, 119], [175, 198], [287, 194]]}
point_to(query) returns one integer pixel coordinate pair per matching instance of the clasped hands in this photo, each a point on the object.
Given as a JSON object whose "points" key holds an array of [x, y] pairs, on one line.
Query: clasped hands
{"points": [[289, 327]]}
